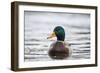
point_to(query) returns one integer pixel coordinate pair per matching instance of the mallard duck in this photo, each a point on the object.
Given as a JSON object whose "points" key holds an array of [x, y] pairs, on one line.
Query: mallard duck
{"points": [[59, 49]]}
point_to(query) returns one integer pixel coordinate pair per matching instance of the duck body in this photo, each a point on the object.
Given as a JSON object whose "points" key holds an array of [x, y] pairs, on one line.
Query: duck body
{"points": [[58, 50]]}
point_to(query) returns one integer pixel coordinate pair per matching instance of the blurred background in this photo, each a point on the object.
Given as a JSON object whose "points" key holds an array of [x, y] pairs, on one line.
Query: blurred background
{"points": [[39, 25]]}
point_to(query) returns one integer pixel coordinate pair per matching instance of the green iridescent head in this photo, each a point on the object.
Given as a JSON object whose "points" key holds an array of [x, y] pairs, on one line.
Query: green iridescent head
{"points": [[58, 32]]}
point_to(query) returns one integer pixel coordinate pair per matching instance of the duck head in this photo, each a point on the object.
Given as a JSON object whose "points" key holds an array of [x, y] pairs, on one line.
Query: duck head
{"points": [[58, 32]]}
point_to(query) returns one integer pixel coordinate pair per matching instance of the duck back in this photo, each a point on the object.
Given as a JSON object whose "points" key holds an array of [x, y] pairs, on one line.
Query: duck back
{"points": [[59, 51]]}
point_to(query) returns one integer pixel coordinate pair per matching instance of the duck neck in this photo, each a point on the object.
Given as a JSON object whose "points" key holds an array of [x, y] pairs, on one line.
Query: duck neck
{"points": [[60, 38]]}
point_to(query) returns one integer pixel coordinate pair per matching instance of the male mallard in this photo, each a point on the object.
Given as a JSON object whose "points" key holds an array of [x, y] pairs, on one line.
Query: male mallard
{"points": [[59, 49]]}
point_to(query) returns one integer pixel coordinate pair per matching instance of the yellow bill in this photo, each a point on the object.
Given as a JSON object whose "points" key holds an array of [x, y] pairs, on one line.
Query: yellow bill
{"points": [[52, 35]]}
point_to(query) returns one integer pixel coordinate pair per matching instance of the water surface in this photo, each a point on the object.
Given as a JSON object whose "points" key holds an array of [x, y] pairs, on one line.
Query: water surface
{"points": [[39, 25]]}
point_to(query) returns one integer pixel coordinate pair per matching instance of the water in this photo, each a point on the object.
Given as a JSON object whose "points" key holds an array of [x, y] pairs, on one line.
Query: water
{"points": [[39, 25]]}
